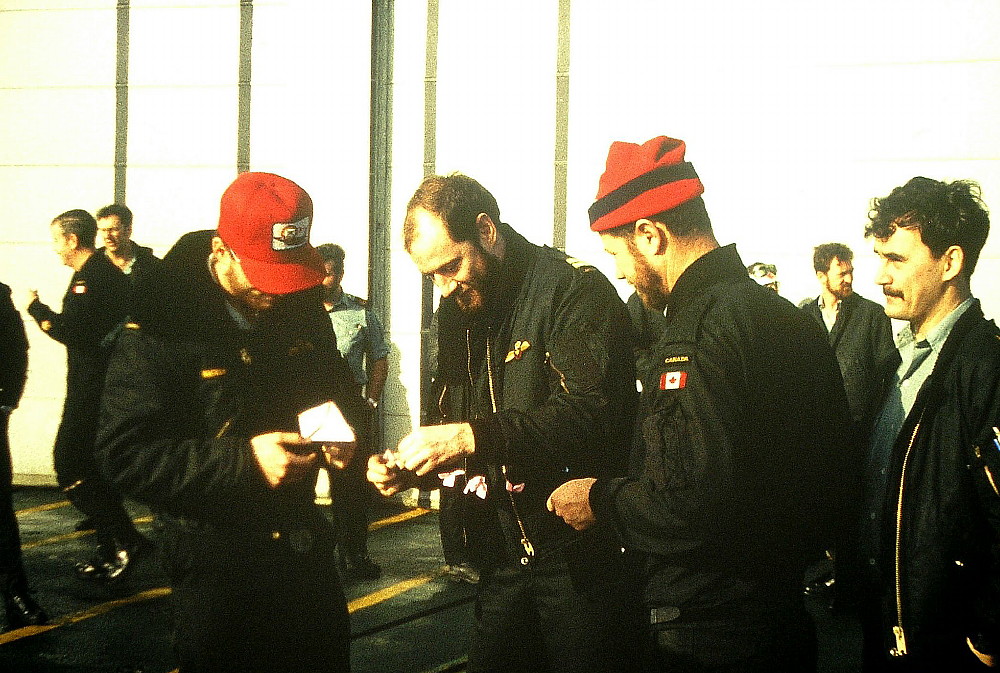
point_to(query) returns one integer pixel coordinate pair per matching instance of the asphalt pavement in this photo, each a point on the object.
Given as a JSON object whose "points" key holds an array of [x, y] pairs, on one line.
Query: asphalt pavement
{"points": [[413, 619]]}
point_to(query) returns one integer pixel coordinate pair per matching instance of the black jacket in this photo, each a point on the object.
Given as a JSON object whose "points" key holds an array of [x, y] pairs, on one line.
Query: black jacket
{"points": [[739, 466], [187, 389], [14, 362], [862, 341], [142, 278], [545, 378], [94, 305], [948, 558]]}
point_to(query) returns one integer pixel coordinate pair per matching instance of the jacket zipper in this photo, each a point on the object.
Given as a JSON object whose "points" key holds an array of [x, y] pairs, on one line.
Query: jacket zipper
{"points": [[897, 630], [529, 549]]}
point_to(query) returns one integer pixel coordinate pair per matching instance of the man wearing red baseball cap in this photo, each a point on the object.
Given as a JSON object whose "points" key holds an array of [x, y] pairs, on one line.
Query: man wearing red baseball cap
{"points": [[199, 421], [741, 440]]}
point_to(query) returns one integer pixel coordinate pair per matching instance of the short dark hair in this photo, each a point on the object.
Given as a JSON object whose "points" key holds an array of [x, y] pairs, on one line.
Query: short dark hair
{"points": [[688, 219], [78, 222], [945, 214], [825, 253], [458, 200], [331, 252], [119, 210]]}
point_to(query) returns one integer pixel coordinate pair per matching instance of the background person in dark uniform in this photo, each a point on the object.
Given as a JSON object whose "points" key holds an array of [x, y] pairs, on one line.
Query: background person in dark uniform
{"points": [[537, 386], [94, 305], [199, 421], [138, 263], [21, 607], [740, 459], [363, 343]]}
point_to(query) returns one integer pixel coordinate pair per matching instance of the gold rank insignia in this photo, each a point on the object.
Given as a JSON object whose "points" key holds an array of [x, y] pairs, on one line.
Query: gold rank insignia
{"points": [[578, 263], [212, 373], [519, 348]]}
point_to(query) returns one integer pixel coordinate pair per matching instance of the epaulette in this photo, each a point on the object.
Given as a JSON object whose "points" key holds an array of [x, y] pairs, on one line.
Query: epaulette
{"points": [[579, 264]]}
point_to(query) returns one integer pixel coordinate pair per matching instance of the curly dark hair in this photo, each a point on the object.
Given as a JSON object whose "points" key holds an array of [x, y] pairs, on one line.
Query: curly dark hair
{"points": [[945, 213], [825, 253]]}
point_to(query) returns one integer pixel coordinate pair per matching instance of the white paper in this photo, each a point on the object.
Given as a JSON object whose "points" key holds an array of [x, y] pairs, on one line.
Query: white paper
{"points": [[325, 423]]}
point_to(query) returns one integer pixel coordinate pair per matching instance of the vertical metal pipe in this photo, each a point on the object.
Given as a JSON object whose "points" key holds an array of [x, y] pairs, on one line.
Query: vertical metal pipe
{"points": [[121, 102], [244, 79], [380, 165], [430, 167], [561, 157]]}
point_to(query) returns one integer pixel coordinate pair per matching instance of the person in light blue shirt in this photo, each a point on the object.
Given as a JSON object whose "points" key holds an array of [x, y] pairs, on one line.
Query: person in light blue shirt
{"points": [[365, 347], [928, 554]]}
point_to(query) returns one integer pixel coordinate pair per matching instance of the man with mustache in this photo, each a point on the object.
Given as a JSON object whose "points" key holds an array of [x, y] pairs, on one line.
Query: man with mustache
{"points": [[739, 468], [929, 553], [858, 328], [535, 386]]}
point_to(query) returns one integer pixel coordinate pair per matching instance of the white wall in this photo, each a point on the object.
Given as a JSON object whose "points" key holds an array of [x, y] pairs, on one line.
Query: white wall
{"points": [[796, 113]]}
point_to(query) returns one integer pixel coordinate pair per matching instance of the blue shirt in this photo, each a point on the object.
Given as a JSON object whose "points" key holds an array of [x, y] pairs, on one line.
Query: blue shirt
{"points": [[359, 334], [917, 360]]}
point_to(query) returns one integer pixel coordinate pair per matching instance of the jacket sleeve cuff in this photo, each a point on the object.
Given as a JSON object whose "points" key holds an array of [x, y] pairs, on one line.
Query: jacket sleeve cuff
{"points": [[602, 497], [489, 440]]}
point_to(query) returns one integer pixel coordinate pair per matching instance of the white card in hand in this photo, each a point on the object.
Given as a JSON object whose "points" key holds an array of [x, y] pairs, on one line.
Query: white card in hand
{"points": [[325, 423]]}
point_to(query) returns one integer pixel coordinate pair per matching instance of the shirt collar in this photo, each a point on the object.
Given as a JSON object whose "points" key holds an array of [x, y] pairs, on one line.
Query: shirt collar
{"points": [[937, 336]]}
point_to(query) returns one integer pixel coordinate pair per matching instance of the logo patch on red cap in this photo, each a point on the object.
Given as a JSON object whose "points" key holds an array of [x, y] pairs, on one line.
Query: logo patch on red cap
{"points": [[290, 235]]}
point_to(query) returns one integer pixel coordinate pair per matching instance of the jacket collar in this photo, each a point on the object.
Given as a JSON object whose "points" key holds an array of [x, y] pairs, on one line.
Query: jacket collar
{"points": [[722, 265]]}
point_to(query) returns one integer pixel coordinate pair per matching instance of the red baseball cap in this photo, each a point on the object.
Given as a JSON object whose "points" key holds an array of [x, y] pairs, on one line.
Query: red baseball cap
{"points": [[265, 219], [643, 180]]}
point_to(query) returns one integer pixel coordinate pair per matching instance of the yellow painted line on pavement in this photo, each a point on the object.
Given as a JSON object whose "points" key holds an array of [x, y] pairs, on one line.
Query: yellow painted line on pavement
{"points": [[389, 592], [27, 631], [404, 516], [74, 535], [43, 508]]}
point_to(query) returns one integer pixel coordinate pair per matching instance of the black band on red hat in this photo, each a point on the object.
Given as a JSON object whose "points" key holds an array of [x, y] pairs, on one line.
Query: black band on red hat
{"points": [[664, 175]]}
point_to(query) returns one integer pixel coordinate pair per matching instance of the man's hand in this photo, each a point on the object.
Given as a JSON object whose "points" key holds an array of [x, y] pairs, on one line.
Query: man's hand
{"points": [[385, 475], [279, 464], [29, 298], [571, 501], [433, 446], [339, 454]]}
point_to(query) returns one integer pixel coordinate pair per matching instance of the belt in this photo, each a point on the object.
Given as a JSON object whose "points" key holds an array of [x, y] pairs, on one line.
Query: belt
{"points": [[300, 540]]}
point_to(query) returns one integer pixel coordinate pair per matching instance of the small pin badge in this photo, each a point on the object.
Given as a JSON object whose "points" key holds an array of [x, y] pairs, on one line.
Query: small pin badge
{"points": [[519, 348]]}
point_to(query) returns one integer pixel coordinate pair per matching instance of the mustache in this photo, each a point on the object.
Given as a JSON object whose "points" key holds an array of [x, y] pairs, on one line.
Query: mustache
{"points": [[890, 292]]}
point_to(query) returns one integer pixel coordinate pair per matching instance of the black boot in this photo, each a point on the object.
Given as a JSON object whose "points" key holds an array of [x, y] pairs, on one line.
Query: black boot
{"points": [[21, 607], [113, 559]]}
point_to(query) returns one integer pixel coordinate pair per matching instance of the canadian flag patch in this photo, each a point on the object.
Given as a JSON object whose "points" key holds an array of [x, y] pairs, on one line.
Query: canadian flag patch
{"points": [[673, 380]]}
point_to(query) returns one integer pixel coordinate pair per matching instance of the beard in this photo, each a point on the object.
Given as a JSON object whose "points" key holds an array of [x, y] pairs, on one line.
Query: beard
{"points": [[648, 285], [484, 286], [843, 291]]}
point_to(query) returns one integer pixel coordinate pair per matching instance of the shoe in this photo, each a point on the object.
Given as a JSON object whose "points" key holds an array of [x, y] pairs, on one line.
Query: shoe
{"points": [[22, 609], [85, 524], [820, 587], [113, 559], [359, 567], [462, 572]]}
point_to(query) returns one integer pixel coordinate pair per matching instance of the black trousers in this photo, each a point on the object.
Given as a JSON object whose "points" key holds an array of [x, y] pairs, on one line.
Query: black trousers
{"points": [[77, 473], [453, 544], [781, 640], [255, 604], [541, 619], [11, 569]]}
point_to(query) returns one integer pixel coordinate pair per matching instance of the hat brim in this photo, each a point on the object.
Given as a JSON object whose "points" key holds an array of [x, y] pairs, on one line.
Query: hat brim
{"points": [[285, 278]]}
